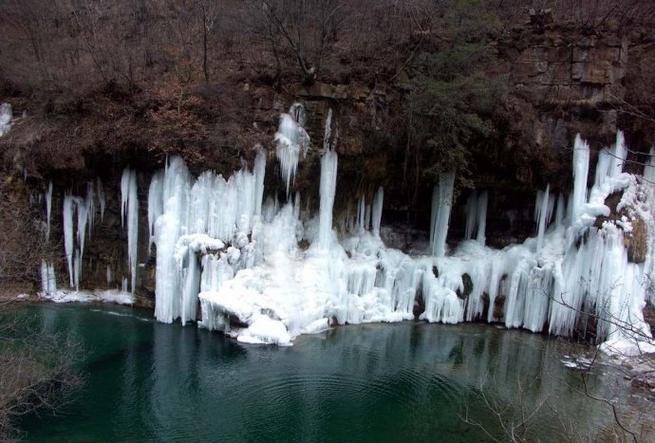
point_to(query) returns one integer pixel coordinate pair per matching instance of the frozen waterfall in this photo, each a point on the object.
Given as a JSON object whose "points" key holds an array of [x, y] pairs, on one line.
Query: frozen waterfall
{"points": [[265, 271], [476, 216], [442, 201], [291, 139]]}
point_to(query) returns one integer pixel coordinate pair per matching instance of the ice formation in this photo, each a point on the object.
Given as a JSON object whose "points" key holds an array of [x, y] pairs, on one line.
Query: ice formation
{"points": [[580, 173], [48, 279], [74, 241], [264, 271], [130, 214], [212, 211], [376, 216], [291, 139], [327, 192], [442, 201], [115, 296], [259, 285], [476, 216], [5, 118], [543, 212], [68, 208], [48, 209], [101, 199]]}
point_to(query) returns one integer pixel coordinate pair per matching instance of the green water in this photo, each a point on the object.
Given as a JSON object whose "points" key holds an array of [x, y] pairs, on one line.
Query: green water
{"points": [[146, 381]]}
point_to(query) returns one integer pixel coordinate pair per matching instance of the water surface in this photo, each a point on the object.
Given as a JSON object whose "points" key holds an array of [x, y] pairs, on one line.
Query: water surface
{"points": [[412, 381]]}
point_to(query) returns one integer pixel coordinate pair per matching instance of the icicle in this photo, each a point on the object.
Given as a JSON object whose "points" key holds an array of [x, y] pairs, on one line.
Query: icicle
{"points": [[440, 224], [378, 202], [367, 217], [245, 191], [82, 220], [327, 136], [68, 208], [327, 192], [110, 277], [433, 212], [542, 214], [602, 167], [580, 172], [291, 138], [550, 209], [168, 228], [260, 171], [191, 287], [476, 216], [297, 111], [48, 279], [561, 210], [101, 199], [44, 277], [483, 200], [77, 268], [48, 209], [296, 206], [155, 205], [91, 206], [471, 215], [125, 185], [361, 214], [618, 155], [130, 211]]}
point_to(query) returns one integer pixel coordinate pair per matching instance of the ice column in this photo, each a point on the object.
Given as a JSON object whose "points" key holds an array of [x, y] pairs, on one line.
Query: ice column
{"points": [[82, 220], [327, 192], [290, 139], [471, 215], [168, 228], [48, 209], [68, 208], [130, 214], [602, 167], [476, 216], [441, 216], [101, 199], [561, 210], [483, 200], [260, 172], [155, 206], [378, 201], [541, 211], [48, 279], [91, 206], [580, 173], [618, 156]]}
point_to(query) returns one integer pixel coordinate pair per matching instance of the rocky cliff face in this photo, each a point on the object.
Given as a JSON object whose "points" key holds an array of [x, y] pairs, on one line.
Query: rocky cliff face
{"points": [[560, 81], [567, 82]]}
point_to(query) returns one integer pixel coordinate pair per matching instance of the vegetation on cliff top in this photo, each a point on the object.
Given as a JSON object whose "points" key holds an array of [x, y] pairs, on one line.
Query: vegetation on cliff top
{"points": [[418, 83]]}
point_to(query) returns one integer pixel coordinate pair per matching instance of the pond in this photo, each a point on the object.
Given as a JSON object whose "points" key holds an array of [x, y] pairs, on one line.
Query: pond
{"points": [[411, 381]]}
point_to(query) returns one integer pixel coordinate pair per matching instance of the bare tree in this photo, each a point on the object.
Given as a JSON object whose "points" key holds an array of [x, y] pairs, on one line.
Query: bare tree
{"points": [[36, 369], [307, 28], [21, 235]]}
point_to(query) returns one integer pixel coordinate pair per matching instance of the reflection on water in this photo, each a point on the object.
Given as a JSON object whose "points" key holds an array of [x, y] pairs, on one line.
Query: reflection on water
{"points": [[150, 381]]}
